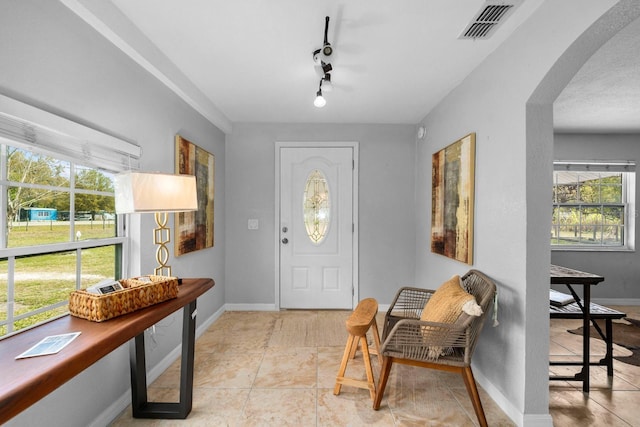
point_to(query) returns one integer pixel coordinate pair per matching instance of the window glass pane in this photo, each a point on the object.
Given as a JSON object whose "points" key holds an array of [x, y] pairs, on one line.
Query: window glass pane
{"points": [[611, 188], [568, 235], [27, 167], [613, 215], [91, 206], [101, 227], [589, 191], [41, 281], [566, 193], [98, 264], [590, 234], [316, 206], [612, 235], [39, 223], [93, 179]]}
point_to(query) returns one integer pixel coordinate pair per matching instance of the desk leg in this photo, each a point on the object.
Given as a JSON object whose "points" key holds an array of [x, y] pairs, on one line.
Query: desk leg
{"points": [[586, 326], [140, 406]]}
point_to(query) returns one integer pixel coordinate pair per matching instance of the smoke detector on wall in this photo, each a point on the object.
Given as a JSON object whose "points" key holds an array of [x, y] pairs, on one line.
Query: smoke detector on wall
{"points": [[422, 132], [491, 15]]}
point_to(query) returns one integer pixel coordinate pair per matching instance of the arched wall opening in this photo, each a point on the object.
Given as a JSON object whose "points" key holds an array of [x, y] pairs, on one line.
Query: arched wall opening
{"points": [[540, 149]]}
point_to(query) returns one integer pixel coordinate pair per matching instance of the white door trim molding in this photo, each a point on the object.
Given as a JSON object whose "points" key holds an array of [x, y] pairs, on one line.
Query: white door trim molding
{"points": [[353, 145]]}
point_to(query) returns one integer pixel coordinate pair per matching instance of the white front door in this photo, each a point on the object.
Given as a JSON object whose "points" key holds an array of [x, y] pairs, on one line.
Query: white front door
{"points": [[316, 229]]}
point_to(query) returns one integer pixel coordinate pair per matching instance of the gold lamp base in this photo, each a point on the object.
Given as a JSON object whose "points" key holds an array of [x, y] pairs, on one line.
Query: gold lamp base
{"points": [[162, 236]]}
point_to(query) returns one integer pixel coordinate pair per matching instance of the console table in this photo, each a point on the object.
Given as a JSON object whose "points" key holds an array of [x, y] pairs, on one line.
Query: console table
{"points": [[25, 381]]}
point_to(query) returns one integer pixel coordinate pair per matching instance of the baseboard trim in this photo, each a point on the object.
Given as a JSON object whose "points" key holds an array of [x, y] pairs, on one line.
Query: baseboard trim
{"points": [[113, 411], [523, 420], [250, 307]]}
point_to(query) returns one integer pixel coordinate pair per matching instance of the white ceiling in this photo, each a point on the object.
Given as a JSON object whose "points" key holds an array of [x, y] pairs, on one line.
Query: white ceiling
{"points": [[604, 96], [393, 61]]}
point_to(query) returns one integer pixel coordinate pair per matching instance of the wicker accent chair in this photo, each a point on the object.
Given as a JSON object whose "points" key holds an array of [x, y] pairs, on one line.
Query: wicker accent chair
{"points": [[410, 341]]}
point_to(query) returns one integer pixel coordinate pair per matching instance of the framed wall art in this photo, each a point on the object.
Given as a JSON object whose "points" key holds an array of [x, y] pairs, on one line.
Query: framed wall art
{"points": [[452, 200], [195, 230]]}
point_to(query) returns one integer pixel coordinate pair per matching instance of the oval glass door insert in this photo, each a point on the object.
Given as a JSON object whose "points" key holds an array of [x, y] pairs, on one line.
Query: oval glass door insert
{"points": [[317, 206]]}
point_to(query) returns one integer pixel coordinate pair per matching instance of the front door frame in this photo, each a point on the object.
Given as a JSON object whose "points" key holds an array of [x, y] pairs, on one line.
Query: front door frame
{"points": [[354, 146]]}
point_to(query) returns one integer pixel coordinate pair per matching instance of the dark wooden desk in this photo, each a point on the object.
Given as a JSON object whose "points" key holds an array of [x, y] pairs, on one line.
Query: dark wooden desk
{"points": [[569, 277], [23, 382]]}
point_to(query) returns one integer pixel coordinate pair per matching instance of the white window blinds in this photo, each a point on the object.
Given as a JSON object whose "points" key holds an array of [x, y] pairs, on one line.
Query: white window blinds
{"points": [[594, 166], [37, 130]]}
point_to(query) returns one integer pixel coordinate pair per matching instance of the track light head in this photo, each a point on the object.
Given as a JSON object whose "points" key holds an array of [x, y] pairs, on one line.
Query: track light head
{"points": [[325, 83], [319, 101], [327, 50], [316, 56]]}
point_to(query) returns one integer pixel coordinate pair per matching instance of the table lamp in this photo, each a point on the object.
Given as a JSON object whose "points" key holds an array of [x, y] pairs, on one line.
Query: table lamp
{"points": [[160, 193]]}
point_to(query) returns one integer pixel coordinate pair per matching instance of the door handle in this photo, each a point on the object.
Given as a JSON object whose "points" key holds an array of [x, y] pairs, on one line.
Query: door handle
{"points": [[285, 241]]}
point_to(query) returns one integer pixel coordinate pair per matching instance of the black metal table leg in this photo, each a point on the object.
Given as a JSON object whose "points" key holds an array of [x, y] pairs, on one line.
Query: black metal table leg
{"points": [[586, 326], [141, 407]]}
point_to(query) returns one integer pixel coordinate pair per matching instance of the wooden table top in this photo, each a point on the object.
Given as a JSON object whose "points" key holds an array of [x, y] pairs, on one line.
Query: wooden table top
{"points": [[565, 275], [25, 381]]}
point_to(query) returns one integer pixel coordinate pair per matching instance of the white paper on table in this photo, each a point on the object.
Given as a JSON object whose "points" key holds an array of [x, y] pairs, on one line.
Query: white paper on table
{"points": [[49, 345]]}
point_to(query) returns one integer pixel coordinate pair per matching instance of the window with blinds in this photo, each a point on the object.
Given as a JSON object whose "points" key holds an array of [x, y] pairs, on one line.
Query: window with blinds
{"points": [[593, 205], [58, 222]]}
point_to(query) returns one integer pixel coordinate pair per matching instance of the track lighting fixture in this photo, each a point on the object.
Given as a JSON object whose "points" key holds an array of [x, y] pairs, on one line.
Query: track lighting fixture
{"points": [[324, 68]]}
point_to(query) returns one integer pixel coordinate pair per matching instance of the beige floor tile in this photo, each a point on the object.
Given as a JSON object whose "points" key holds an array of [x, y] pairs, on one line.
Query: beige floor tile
{"points": [[285, 407], [328, 365], [288, 368], [222, 370], [350, 408]]}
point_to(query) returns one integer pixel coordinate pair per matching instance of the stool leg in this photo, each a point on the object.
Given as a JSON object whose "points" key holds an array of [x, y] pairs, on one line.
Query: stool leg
{"points": [[343, 364], [376, 340], [367, 364], [354, 348]]}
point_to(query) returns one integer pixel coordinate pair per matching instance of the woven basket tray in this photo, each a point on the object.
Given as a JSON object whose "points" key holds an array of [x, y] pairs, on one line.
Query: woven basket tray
{"points": [[136, 295]]}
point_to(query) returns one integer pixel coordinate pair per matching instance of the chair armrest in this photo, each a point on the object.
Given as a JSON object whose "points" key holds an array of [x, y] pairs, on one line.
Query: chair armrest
{"points": [[407, 304]]}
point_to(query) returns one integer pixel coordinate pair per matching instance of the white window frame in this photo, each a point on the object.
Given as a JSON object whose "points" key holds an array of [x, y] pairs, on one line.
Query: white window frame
{"points": [[36, 130], [628, 196]]}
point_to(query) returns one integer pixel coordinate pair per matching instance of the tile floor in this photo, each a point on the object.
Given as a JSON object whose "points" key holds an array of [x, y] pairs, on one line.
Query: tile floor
{"points": [[279, 368]]}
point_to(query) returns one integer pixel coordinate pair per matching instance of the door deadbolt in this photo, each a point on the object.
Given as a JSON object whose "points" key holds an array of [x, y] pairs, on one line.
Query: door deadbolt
{"points": [[285, 240], [285, 229]]}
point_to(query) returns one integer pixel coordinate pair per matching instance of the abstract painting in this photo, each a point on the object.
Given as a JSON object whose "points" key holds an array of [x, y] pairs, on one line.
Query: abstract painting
{"points": [[194, 230], [452, 200]]}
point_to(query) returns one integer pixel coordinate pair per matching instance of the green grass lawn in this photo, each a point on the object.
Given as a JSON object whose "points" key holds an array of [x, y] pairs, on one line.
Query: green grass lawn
{"points": [[43, 280]]}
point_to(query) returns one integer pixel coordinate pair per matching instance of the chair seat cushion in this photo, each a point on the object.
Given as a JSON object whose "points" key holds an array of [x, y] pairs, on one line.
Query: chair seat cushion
{"points": [[448, 302]]}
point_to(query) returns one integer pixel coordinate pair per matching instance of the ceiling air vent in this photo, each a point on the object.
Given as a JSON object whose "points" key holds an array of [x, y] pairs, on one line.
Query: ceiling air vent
{"points": [[490, 16]]}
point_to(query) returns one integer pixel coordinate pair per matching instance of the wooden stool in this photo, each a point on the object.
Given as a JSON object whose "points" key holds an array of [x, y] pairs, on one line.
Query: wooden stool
{"points": [[358, 323]]}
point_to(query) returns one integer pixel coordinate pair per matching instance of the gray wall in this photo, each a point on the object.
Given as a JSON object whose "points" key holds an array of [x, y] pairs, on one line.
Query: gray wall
{"points": [[621, 270], [507, 102], [386, 205], [53, 60]]}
